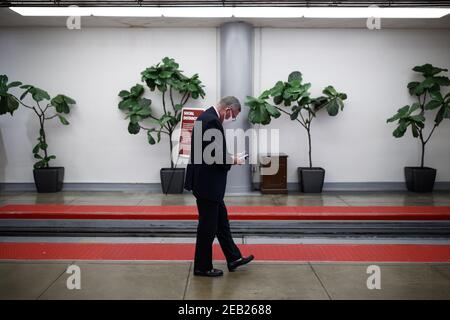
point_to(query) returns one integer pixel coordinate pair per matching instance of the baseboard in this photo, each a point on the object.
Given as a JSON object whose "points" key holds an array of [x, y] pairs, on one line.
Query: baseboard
{"points": [[369, 186], [156, 187], [126, 187]]}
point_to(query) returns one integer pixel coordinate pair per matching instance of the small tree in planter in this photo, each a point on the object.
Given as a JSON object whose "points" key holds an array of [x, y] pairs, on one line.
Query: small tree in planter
{"points": [[429, 97], [293, 99], [176, 89], [46, 178]]}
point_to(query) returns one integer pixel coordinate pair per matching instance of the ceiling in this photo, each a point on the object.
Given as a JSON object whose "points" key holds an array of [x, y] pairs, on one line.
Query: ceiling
{"points": [[9, 18], [312, 3]]}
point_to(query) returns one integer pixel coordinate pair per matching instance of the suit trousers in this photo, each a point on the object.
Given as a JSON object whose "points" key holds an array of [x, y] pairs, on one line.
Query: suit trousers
{"points": [[212, 222]]}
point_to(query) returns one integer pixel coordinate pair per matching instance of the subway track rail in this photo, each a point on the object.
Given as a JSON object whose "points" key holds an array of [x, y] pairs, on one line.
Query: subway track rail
{"points": [[175, 228]]}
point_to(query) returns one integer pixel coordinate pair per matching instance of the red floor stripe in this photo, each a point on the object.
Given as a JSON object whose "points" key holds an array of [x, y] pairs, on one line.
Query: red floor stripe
{"points": [[94, 212], [262, 252]]}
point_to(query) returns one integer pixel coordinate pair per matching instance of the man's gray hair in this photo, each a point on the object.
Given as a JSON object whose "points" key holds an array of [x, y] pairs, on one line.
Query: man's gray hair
{"points": [[230, 102]]}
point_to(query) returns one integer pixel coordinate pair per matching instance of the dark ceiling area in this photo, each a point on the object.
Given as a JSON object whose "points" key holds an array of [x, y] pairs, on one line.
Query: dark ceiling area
{"points": [[312, 3]]}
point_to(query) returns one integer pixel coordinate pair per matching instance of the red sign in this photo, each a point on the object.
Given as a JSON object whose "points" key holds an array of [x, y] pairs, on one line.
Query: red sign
{"points": [[188, 117]]}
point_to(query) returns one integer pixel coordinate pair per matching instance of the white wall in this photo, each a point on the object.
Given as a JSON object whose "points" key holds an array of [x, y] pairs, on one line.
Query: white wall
{"points": [[373, 68], [92, 66]]}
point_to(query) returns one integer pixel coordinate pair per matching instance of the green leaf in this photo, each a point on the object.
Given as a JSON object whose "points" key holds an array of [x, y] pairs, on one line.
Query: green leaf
{"points": [[144, 112], [68, 100], [133, 128], [39, 94], [412, 87], [417, 118], [330, 91], [126, 104], [40, 164], [428, 70], [124, 94], [332, 107], [400, 131], [150, 138], [135, 118], [278, 100], [273, 111], [63, 120], [37, 148], [414, 130], [144, 102], [8, 103], [14, 84], [23, 95], [296, 75], [442, 81], [258, 113], [137, 90], [433, 104], [446, 113], [400, 113], [439, 116], [294, 115], [61, 103]]}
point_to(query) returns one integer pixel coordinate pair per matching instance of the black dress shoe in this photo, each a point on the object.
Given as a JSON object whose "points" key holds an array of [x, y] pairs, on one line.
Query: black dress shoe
{"points": [[209, 273], [244, 260]]}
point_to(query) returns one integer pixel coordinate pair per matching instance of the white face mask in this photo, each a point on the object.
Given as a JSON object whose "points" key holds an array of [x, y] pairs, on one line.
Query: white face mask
{"points": [[230, 119]]}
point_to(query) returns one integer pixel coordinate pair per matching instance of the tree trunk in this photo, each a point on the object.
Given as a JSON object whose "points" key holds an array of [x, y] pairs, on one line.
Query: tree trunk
{"points": [[44, 139], [309, 144], [171, 150]]}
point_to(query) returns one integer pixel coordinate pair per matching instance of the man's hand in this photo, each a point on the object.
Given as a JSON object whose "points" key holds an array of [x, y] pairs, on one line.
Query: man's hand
{"points": [[239, 158]]}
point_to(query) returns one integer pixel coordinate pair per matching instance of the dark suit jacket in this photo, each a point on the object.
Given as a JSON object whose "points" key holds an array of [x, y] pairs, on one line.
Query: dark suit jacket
{"points": [[208, 181]]}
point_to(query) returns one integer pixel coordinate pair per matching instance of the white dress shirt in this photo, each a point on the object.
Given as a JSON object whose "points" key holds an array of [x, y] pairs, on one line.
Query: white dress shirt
{"points": [[218, 115]]}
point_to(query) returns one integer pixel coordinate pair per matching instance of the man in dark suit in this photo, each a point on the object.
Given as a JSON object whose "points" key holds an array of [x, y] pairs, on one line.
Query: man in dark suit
{"points": [[206, 176]]}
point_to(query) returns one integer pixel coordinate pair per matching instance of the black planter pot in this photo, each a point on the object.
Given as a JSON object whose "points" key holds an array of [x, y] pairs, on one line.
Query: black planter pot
{"points": [[172, 180], [420, 179], [49, 179], [311, 179]]}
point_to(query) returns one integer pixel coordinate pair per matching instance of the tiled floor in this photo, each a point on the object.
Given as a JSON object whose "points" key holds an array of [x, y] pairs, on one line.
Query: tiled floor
{"points": [[259, 280], [174, 280], [296, 199]]}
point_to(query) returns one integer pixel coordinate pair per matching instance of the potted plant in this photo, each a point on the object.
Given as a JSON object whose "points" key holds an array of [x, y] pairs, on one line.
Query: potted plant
{"points": [[46, 178], [293, 99], [176, 89], [429, 97]]}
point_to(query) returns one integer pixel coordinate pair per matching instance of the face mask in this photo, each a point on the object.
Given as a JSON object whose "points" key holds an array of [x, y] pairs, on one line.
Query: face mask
{"points": [[230, 119]]}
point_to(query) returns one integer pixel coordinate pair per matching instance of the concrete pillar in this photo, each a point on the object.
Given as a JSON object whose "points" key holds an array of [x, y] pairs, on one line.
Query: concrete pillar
{"points": [[236, 79]]}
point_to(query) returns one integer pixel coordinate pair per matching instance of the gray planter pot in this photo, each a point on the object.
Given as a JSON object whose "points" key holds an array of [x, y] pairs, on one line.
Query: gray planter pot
{"points": [[420, 179], [172, 180], [49, 180], [311, 179]]}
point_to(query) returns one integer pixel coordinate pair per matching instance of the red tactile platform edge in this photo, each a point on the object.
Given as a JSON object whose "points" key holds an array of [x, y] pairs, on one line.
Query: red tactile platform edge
{"points": [[262, 252], [57, 211]]}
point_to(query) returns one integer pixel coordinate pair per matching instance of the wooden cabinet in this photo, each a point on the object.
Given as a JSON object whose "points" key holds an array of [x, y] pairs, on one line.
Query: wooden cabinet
{"points": [[270, 179]]}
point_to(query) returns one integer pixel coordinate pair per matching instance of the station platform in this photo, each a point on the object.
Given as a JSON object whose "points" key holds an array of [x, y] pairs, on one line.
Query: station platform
{"points": [[130, 268], [288, 265]]}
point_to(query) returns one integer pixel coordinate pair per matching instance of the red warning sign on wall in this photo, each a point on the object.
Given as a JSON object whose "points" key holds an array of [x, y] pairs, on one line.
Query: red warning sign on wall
{"points": [[188, 117]]}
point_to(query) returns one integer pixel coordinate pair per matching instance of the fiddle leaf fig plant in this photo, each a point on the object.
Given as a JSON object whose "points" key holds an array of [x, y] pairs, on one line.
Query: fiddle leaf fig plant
{"points": [[428, 93], [43, 105], [294, 99], [45, 108], [176, 89]]}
